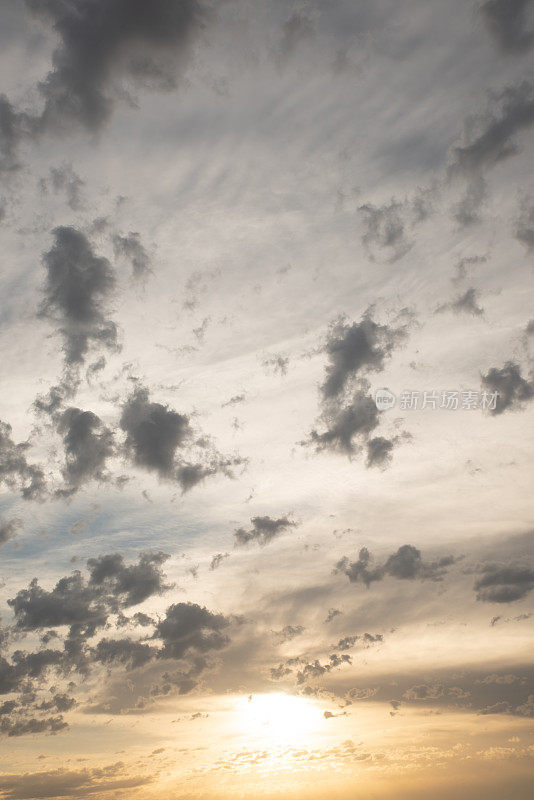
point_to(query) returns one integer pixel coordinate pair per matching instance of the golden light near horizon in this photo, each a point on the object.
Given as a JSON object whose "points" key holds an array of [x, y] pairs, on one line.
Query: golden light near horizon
{"points": [[278, 717]]}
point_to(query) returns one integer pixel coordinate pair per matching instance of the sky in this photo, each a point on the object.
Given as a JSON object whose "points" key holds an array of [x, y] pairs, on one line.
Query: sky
{"points": [[266, 418]]}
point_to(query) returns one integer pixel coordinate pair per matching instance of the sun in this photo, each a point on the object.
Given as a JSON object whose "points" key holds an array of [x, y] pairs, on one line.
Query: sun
{"points": [[279, 717]]}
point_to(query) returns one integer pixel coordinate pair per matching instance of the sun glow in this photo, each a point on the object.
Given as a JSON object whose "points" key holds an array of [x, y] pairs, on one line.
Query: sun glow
{"points": [[279, 717]]}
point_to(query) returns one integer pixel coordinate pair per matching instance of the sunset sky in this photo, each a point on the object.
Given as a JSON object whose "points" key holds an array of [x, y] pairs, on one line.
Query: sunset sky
{"points": [[228, 568]]}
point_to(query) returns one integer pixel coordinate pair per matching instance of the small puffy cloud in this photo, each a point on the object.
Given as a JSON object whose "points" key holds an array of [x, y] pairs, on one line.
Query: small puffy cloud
{"points": [[263, 530], [78, 284], [513, 389], [163, 441]]}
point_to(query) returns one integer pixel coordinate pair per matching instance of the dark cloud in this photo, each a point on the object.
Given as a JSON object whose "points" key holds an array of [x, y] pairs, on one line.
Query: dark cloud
{"points": [[357, 347], [134, 583], [341, 425], [21, 727], [263, 530], [131, 654], [513, 389], [154, 433], [385, 233], [8, 529], [189, 627], [316, 670], [406, 564], [380, 451], [15, 470], [348, 411], [504, 584], [77, 287], [88, 444], [186, 633], [163, 441], [507, 22], [87, 604], [131, 248], [104, 41]]}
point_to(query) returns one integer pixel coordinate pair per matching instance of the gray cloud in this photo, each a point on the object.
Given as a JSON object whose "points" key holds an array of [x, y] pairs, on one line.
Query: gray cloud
{"points": [[189, 627], [131, 248], [343, 423], [507, 22], [514, 390], [504, 584], [353, 348], [163, 441], [348, 411], [78, 284], [15, 471], [103, 41], [405, 564], [263, 531], [88, 444]]}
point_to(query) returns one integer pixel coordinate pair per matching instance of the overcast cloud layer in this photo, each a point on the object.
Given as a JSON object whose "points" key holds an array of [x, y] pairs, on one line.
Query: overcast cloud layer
{"points": [[267, 346]]}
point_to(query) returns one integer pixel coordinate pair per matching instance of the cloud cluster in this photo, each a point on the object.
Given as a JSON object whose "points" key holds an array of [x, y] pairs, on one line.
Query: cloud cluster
{"points": [[15, 470], [163, 441], [513, 389], [74, 614], [349, 413], [405, 564]]}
